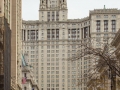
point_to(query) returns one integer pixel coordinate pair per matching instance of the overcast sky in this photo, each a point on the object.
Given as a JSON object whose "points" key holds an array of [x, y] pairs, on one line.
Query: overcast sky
{"points": [[76, 8]]}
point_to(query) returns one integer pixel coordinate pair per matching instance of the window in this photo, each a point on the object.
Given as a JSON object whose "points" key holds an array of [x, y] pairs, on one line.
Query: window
{"points": [[48, 72], [52, 47], [57, 55], [36, 52], [48, 47], [113, 16], [42, 76], [57, 85], [42, 55], [48, 64], [53, 16], [42, 51], [48, 51], [73, 47], [48, 35], [52, 55], [42, 68], [52, 59], [32, 47], [48, 16], [57, 16], [25, 75], [57, 46], [105, 16], [42, 34], [48, 85], [57, 51], [105, 25], [42, 72], [52, 64], [98, 25], [57, 68], [57, 63], [97, 16], [42, 85], [57, 72], [52, 68], [48, 42], [98, 35], [42, 47], [52, 51], [113, 25], [57, 59], [52, 72], [105, 35]]}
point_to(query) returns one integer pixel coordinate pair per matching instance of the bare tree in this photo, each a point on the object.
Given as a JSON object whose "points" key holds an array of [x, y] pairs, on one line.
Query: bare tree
{"points": [[102, 57]]}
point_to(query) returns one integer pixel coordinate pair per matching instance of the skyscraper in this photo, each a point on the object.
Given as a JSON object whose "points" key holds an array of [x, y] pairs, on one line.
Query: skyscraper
{"points": [[53, 39], [16, 45], [5, 47]]}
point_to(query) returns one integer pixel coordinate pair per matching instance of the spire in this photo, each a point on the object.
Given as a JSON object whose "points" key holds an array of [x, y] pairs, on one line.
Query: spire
{"points": [[64, 4], [64, 1], [104, 7], [42, 4]]}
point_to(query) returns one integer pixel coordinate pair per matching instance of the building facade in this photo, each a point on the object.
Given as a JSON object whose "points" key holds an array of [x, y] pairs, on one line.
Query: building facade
{"points": [[54, 38], [5, 54], [5, 44], [10, 26], [16, 45], [104, 25]]}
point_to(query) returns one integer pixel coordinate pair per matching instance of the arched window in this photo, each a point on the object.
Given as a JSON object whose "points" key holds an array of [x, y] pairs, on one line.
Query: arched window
{"points": [[25, 75]]}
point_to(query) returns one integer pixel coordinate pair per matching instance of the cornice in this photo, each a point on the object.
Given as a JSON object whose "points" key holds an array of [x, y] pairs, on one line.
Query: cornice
{"points": [[105, 11]]}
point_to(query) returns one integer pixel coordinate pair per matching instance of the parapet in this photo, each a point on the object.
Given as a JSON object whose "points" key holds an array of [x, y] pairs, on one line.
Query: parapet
{"points": [[79, 20], [30, 22], [105, 11]]}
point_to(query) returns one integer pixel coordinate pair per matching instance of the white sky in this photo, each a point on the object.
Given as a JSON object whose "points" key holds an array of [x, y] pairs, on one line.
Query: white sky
{"points": [[76, 8]]}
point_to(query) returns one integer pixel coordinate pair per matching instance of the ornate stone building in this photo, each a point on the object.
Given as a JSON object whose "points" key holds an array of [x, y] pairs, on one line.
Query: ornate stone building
{"points": [[54, 38]]}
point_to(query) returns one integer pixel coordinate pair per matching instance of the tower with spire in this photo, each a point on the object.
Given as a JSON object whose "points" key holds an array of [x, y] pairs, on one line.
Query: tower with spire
{"points": [[53, 10]]}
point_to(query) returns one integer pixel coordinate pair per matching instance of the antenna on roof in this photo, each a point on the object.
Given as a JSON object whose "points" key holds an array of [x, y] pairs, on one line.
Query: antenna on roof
{"points": [[104, 7]]}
